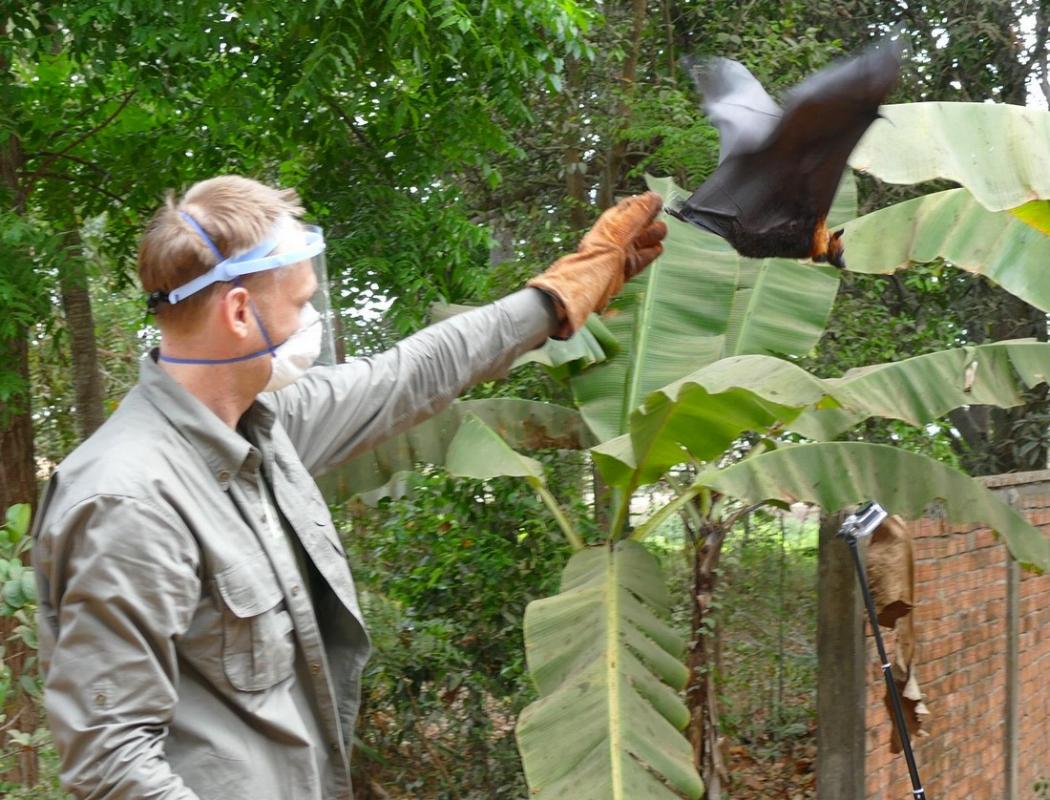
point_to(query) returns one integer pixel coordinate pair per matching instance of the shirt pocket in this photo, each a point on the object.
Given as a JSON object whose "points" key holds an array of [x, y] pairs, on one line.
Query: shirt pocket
{"points": [[258, 642]]}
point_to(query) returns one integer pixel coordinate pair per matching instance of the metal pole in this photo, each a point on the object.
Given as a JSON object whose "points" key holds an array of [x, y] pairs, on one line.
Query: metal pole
{"points": [[887, 670]]}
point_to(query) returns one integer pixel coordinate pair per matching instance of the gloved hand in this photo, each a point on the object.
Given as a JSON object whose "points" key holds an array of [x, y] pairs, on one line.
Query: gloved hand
{"points": [[623, 242]]}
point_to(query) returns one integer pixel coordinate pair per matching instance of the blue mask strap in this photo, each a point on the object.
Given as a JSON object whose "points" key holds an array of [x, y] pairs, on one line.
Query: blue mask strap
{"points": [[258, 320], [270, 347], [200, 232], [234, 360]]}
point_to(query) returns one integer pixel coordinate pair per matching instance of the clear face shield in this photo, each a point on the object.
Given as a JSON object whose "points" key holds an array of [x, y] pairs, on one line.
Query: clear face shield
{"points": [[288, 244], [322, 303]]}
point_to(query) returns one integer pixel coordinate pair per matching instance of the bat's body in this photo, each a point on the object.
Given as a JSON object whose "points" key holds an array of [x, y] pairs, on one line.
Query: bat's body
{"points": [[779, 168]]}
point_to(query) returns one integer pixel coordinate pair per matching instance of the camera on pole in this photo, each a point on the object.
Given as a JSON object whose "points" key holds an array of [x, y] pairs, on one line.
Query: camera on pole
{"points": [[859, 525]]}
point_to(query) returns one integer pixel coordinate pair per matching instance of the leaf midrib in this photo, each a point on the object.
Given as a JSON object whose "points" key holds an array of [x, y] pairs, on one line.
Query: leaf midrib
{"points": [[640, 347], [612, 667]]}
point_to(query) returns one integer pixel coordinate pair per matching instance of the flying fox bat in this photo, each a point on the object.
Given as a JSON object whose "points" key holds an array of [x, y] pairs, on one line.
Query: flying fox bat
{"points": [[779, 168]]}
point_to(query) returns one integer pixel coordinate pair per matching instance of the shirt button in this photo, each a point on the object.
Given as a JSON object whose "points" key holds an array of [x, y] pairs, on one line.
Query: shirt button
{"points": [[315, 669], [335, 747], [295, 589], [224, 476]]}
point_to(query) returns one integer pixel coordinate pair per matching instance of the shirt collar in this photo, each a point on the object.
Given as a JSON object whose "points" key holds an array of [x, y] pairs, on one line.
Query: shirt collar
{"points": [[225, 451]]}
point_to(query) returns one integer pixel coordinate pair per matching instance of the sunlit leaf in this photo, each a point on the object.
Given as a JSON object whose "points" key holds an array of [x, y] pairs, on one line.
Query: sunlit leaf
{"points": [[1000, 152]]}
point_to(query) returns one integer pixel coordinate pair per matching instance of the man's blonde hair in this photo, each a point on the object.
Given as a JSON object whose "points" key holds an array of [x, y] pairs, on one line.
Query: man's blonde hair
{"points": [[234, 211]]}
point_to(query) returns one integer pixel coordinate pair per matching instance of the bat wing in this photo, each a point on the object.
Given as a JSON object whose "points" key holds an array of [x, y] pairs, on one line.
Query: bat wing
{"points": [[825, 116], [736, 104], [751, 192], [774, 177], [746, 117]]}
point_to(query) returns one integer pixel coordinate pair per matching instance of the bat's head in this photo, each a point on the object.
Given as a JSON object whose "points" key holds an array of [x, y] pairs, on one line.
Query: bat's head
{"points": [[827, 246], [836, 252]]}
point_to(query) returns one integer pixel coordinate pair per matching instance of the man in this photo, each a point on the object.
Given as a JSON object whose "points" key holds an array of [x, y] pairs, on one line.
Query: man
{"points": [[199, 630]]}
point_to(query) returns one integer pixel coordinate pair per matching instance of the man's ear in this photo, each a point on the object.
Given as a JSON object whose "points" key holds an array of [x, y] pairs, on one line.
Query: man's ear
{"points": [[236, 312]]}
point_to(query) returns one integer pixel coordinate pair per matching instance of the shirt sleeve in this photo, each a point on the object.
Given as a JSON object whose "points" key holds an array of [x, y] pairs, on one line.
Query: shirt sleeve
{"points": [[334, 413], [118, 583]]}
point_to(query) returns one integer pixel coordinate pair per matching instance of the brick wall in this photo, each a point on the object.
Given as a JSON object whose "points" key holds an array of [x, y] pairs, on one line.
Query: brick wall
{"points": [[963, 665]]}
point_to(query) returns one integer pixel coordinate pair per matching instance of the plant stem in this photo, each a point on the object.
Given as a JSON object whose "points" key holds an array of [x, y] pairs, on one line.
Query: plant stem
{"points": [[657, 519], [559, 516], [621, 502]]}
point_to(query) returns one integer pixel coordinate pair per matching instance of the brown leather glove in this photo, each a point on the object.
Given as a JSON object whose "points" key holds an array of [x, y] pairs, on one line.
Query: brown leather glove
{"points": [[623, 242]]}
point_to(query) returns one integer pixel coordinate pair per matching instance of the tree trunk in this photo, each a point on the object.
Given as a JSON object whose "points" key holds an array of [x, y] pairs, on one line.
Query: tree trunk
{"points": [[17, 475], [17, 485], [87, 378], [572, 156], [618, 148], [701, 698]]}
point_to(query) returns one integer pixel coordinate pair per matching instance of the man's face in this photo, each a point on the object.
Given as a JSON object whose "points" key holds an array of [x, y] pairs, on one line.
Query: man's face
{"points": [[279, 297]]}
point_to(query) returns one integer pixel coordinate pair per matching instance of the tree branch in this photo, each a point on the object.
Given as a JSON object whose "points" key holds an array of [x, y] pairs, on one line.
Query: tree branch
{"points": [[364, 141], [32, 177], [72, 179]]}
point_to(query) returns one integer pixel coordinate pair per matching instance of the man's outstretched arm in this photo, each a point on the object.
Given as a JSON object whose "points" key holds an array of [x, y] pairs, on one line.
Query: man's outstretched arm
{"points": [[335, 413]]}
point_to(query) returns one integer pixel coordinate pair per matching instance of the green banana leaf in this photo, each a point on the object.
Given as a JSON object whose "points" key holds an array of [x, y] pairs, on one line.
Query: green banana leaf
{"points": [[921, 389], [999, 152], [702, 414], [844, 204], [608, 669], [698, 303], [953, 226], [477, 451], [834, 475], [524, 424]]}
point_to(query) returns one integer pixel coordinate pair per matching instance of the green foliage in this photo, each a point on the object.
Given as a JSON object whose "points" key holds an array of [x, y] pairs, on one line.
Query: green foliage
{"points": [[766, 611], [665, 120], [446, 573], [18, 600], [17, 585], [48, 787]]}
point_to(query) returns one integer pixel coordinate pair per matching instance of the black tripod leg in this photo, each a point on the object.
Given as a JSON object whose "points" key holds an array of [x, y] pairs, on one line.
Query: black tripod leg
{"points": [[887, 672]]}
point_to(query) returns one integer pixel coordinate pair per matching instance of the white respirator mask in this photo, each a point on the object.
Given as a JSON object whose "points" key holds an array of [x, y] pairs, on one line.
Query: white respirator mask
{"points": [[298, 352]]}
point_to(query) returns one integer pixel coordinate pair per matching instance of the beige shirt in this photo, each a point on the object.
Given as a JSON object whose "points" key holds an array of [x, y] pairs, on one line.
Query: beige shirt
{"points": [[173, 609]]}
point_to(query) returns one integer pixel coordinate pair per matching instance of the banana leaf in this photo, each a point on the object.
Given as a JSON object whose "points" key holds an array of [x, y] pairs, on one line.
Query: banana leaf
{"points": [[607, 666], [921, 389], [999, 152], [835, 475], [702, 414], [952, 225]]}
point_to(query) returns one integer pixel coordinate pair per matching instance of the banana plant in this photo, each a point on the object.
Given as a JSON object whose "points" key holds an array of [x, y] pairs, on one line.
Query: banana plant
{"points": [[737, 386], [698, 370]]}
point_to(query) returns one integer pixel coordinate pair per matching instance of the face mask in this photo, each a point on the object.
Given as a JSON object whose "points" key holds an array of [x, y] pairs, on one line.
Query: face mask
{"points": [[297, 353], [297, 243]]}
